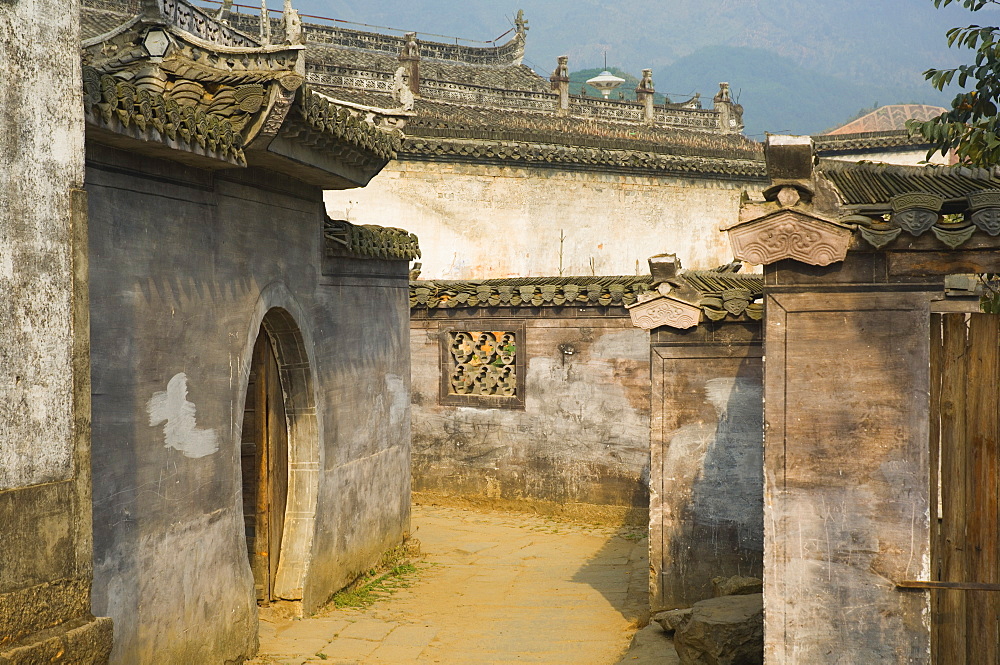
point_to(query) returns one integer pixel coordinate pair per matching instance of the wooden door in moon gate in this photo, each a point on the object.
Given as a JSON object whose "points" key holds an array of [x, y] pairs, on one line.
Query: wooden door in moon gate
{"points": [[264, 463]]}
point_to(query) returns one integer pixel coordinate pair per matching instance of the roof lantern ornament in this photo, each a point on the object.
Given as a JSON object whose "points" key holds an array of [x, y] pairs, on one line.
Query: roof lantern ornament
{"points": [[605, 82]]}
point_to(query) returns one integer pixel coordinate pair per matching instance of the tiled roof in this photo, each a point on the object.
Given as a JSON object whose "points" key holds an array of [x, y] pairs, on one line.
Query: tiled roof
{"points": [[510, 77], [370, 241], [119, 106], [713, 281], [487, 122], [863, 141], [721, 294], [889, 118], [463, 132], [339, 125], [529, 292], [875, 184], [626, 159], [502, 112], [319, 55], [96, 22], [727, 294], [513, 77]]}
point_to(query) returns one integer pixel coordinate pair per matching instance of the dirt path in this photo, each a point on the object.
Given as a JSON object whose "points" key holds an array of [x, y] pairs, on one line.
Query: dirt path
{"points": [[492, 588]]}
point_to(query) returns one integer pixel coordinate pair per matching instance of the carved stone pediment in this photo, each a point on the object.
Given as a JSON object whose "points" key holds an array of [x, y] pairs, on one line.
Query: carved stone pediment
{"points": [[663, 311], [790, 234]]}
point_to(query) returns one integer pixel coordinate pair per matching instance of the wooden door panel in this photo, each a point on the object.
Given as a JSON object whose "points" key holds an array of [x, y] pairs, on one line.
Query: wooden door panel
{"points": [[277, 466], [264, 466], [965, 394]]}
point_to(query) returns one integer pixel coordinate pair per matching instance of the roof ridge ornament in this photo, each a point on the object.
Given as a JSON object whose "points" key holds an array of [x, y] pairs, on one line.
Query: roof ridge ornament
{"points": [[521, 23]]}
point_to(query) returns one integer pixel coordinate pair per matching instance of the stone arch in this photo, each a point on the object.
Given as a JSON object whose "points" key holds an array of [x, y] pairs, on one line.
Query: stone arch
{"points": [[278, 314]]}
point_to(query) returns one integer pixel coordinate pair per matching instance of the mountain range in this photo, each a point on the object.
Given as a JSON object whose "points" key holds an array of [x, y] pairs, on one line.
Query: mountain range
{"points": [[798, 65]]}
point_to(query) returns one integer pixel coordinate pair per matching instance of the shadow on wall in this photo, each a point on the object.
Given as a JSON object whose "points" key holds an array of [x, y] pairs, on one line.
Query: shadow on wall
{"points": [[728, 497], [722, 523]]}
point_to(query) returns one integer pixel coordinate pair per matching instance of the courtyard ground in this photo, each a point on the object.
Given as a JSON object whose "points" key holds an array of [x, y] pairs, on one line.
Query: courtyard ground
{"points": [[489, 588]]}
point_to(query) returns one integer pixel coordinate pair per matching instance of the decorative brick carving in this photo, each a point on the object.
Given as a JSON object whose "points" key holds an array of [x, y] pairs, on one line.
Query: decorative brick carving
{"points": [[923, 200], [952, 236], [735, 301], [915, 220], [664, 312], [988, 219], [985, 210], [790, 235], [483, 363], [984, 198], [880, 237], [916, 212]]}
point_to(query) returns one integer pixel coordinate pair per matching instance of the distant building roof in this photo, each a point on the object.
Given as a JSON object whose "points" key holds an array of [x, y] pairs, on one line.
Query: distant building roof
{"points": [[481, 104], [888, 118]]}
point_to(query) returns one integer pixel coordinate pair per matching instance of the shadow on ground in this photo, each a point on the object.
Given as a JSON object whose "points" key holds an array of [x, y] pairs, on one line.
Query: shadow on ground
{"points": [[620, 572]]}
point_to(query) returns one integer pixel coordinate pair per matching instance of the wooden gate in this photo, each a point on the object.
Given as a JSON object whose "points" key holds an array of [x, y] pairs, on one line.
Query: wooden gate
{"points": [[965, 520], [706, 504], [264, 462]]}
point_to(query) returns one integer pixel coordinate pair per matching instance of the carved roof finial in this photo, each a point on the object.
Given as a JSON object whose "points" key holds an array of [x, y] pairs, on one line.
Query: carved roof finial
{"points": [[411, 50], [562, 70], [293, 24], [265, 24], [723, 94], [223, 12], [646, 84], [521, 23]]}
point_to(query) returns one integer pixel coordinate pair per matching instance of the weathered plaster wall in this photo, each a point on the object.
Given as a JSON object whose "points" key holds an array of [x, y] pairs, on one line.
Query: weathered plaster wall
{"points": [[846, 467], [899, 157], [706, 496], [185, 265], [478, 222], [44, 375], [41, 138], [582, 436]]}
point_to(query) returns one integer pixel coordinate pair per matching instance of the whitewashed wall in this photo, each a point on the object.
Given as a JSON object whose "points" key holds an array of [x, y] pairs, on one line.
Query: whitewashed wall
{"points": [[478, 222]]}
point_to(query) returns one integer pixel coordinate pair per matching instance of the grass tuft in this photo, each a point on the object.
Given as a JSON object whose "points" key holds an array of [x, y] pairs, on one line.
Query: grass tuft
{"points": [[395, 570]]}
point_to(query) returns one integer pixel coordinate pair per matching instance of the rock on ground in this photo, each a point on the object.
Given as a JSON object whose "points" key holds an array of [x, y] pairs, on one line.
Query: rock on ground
{"points": [[736, 586], [671, 620], [650, 646], [723, 631]]}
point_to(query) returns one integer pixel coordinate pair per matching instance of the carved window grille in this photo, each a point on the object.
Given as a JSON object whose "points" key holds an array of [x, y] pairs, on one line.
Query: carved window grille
{"points": [[482, 365]]}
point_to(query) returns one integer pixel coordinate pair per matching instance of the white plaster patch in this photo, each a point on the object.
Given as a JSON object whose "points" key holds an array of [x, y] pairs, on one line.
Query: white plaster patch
{"points": [[399, 398], [6, 265], [718, 391], [177, 415]]}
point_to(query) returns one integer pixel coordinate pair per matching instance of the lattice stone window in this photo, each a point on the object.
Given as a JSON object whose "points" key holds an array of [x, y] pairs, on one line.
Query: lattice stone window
{"points": [[482, 364]]}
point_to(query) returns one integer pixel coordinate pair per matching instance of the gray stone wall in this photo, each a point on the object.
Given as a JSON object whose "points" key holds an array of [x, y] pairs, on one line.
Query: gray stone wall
{"points": [[44, 374], [582, 436], [185, 267]]}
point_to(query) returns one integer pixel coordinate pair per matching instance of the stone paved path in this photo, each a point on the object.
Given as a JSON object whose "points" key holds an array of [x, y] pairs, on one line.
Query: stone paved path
{"points": [[493, 588]]}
